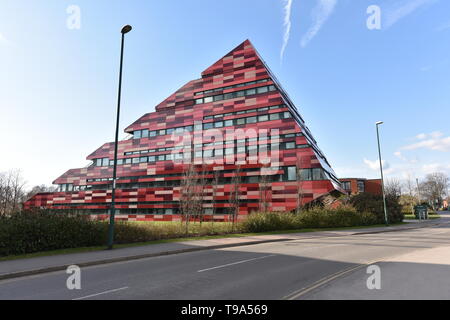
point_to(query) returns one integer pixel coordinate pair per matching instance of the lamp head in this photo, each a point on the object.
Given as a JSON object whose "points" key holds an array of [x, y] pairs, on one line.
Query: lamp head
{"points": [[379, 122], [126, 29]]}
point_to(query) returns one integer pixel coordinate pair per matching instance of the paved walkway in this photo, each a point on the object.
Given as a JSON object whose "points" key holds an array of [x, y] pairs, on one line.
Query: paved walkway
{"points": [[30, 266]]}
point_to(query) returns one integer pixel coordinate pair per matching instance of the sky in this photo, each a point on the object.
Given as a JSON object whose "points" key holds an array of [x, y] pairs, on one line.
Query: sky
{"points": [[345, 63]]}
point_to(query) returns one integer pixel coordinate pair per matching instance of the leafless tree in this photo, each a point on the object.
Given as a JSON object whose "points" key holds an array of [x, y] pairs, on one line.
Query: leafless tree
{"points": [[435, 188], [188, 187], [264, 185], [12, 193], [393, 188], [234, 199], [215, 187]]}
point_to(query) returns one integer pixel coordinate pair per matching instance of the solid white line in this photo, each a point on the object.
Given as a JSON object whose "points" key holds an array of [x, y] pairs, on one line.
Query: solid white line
{"points": [[97, 294], [234, 263]]}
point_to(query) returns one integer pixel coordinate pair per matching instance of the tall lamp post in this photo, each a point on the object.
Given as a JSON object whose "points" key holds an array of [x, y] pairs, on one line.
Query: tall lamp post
{"points": [[382, 176], [112, 213]]}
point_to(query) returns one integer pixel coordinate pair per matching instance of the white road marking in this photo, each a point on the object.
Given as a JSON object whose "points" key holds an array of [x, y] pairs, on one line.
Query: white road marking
{"points": [[97, 294], [234, 263]]}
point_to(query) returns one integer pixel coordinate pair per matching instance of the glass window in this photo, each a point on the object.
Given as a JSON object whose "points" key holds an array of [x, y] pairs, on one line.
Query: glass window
{"points": [[361, 186], [229, 95], [251, 120], [137, 134], [207, 126], [208, 99], [347, 185], [162, 157], [240, 149], [250, 92], [262, 90], [218, 152], [128, 161], [119, 162], [152, 133], [142, 159], [151, 159], [208, 153], [292, 173], [318, 174], [263, 118], [250, 111], [305, 174], [287, 115], [272, 88], [290, 145], [135, 160], [144, 133], [198, 101], [240, 121], [105, 162], [228, 123], [218, 124], [98, 162], [162, 132], [240, 94], [218, 97], [274, 116]]}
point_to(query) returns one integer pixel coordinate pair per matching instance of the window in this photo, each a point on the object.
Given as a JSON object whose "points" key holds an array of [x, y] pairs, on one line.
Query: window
{"points": [[292, 173], [207, 126], [98, 162], [229, 151], [347, 185], [208, 99], [251, 120], [137, 134], [250, 92], [287, 115], [161, 157], [105, 162], [152, 133], [274, 116], [208, 153], [262, 90], [128, 161], [142, 159], [135, 160], [361, 186], [162, 132], [240, 121], [228, 123], [290, 145], [218, 124], [318, 174], [305, 175], [218, 98], [263, 118]]}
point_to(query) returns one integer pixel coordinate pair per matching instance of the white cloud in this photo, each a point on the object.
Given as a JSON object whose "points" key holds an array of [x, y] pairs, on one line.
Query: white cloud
{"points": [[435, 167], [435, 141], [320, 14], [403, 9], [375, 165], [287, 26]]}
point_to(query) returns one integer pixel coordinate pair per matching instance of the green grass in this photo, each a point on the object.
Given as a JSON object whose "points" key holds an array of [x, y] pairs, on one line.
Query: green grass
{"points": [[413, 217], [192, 238]]}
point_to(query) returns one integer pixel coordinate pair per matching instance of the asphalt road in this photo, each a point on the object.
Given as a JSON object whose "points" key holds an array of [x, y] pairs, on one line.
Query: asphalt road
{"points": [[414, 264]]}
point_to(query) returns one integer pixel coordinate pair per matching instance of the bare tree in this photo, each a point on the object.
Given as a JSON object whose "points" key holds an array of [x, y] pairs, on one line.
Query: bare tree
{"points": [[264, 184], [300, 193], [12, 193], [393, 188], [188, 187], [435, 188], [215, 187], [234, 199]]}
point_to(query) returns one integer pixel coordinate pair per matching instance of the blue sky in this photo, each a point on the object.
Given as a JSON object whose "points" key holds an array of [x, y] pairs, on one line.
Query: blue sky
{"points": [[58, 85]]}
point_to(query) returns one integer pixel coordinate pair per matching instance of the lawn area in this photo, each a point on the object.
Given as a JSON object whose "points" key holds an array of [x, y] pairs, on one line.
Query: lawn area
{"points": [[413, 217]]}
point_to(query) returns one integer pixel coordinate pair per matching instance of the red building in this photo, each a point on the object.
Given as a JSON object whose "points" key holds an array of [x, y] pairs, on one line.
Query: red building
{"points": [[355, 186], [236, 120]]}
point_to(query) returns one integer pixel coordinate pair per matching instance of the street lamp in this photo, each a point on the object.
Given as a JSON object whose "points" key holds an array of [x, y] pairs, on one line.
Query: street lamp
{"points": [[382, 176], [124, 31]]}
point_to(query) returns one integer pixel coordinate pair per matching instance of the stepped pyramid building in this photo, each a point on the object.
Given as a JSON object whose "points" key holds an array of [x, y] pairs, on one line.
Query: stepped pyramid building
{"points": [[235, 130]]}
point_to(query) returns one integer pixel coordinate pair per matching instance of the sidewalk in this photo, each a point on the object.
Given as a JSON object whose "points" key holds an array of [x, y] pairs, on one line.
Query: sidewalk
{"points": [[31, 266]]}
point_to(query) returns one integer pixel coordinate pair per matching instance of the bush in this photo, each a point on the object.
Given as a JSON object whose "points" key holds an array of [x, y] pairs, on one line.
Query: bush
{"points": [[366, 202], [27, 232], [344, 216]]}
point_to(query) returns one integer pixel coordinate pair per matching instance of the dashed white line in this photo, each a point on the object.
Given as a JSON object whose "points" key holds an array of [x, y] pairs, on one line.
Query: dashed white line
{"points": [[100, 293], [234, 263]]}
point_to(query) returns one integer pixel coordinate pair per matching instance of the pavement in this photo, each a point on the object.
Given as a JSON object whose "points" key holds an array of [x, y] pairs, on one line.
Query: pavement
{"points": [[290, 266]]}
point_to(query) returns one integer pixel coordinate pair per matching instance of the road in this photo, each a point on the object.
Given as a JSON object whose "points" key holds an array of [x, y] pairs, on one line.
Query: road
{"points": [[414, 264]]}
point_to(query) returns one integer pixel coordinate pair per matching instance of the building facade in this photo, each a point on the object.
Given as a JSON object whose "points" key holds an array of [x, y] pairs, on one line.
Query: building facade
{"points": [[235, 127], [354, 186]]}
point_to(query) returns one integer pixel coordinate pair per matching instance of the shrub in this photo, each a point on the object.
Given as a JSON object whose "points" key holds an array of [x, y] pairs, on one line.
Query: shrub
{"points": [[344, 216], [366, 202]]}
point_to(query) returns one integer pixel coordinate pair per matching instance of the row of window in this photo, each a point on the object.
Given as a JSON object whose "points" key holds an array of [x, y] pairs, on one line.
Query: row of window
{"points": [[236, 94], [231, 87], [247, 120], [221, 115], [216, 152], [289, 174], [261, 138]]}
